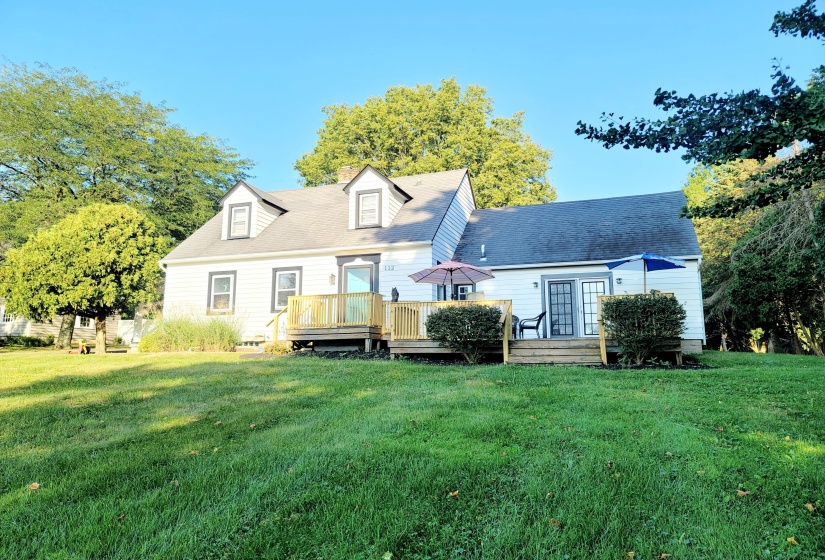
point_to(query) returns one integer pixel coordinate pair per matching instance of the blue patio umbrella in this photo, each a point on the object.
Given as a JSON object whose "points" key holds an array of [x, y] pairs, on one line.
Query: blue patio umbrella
{"points": [[650, 262]]}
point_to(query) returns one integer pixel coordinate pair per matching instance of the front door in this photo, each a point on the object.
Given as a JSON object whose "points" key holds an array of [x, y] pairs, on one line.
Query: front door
{"points": [[561, 316], [357, 279]]}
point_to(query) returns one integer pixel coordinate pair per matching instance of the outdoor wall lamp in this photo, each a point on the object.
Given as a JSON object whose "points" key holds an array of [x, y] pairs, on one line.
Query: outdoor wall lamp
{"points": [[535, 284], [618, 280], [331, 279]]}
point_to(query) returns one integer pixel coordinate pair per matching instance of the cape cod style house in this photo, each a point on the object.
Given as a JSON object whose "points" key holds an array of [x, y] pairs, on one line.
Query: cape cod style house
{"points": [[321, 263]]}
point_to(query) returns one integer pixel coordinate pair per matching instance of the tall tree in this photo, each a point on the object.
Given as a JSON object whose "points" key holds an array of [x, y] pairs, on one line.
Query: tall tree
{"points": [[717, 239], [718, 128], [67, 141], [775, 282], [99, 261], [424, 129]]}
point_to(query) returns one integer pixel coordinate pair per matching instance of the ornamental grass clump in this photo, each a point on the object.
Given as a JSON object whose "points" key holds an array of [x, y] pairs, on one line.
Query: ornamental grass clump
{"points": [[465, 329], [643, 323], [196, 334]]}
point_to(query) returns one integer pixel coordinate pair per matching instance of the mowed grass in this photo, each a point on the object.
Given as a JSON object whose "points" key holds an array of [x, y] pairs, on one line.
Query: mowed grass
{"points": [[209, 456]]}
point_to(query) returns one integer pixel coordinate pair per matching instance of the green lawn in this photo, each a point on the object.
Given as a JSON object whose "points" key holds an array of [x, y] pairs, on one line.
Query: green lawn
{"points": [[209, 456]]}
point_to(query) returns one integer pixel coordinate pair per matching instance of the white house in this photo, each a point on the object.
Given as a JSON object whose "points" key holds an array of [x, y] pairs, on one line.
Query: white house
{"points": [[368, 233], [84, 327]]}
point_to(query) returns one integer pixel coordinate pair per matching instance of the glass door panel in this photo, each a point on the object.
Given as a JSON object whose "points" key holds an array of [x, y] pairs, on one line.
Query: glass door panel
{"points": [[357, 279], [560, 304], [591, 290]]}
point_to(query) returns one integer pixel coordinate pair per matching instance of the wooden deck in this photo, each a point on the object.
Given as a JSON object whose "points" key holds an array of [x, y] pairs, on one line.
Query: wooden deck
{"points": [[366, 318]]}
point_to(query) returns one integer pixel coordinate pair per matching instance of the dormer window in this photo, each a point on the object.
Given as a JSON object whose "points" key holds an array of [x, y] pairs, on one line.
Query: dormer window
{"points": [[239, 220], [368, 209]]}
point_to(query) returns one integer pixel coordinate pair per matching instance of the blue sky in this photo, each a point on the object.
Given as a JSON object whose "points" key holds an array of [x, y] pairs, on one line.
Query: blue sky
{"points": [[257, 73]]}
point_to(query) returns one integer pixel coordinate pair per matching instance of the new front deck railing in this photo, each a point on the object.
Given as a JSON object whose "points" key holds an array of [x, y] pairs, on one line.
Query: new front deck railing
{"points": [[335, 310]]}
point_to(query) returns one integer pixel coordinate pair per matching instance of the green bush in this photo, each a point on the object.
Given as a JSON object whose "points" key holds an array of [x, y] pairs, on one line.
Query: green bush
{"points": [[199, 334], [465, 329], [29, 341], [278, 348], [643, 323]]}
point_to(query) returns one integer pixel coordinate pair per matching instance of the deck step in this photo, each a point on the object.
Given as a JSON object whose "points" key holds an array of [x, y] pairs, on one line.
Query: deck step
{"points": [[551, 343], [556, 360]]}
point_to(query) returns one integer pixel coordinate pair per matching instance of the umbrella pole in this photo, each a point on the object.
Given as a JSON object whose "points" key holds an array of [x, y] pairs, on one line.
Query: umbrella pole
{"points": [[644, 276]]}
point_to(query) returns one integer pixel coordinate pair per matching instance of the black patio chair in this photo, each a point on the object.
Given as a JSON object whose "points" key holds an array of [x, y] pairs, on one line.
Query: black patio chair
{"points": [[514, 320], [531, 324]]}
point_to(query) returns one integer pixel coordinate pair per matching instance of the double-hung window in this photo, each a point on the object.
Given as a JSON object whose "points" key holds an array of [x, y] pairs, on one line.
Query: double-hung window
{"points": [[85, 322], [222, 292], [285, 282], [7, 317], [369, 209], [239, 220]]}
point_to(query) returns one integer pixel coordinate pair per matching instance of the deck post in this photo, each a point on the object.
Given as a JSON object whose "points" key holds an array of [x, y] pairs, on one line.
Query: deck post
{"points": [[600, 321], [506, 321]]}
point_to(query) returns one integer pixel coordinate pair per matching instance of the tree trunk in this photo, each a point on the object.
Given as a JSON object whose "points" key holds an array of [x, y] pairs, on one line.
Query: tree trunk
{"points": [[100, 335], [64, 336], [774, 347], [722, 330]]}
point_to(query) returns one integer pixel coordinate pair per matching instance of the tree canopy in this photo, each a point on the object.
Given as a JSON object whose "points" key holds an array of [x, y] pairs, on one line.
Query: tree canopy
{"points": [[67, 141], [424, 129], [719, 128], [101, 260]]}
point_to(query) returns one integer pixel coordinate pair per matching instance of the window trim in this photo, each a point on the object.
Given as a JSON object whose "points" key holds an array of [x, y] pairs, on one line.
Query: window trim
{"points": [[358, 195], [232, 208], [5, 313], [233, 274], [299, 281], [342, 263]]}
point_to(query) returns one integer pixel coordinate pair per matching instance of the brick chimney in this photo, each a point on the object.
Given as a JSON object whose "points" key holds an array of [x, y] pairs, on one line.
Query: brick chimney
{"points": [[347, 173]]}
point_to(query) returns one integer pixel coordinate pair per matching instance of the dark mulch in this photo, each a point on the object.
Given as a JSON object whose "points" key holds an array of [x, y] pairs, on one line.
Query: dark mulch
{"points": [[688, 362]]}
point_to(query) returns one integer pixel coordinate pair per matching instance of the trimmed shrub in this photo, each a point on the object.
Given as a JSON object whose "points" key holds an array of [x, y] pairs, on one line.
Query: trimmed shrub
{"points": [[198, 334], [643, 323], [29, 341], [465, 329], [278, 348]]}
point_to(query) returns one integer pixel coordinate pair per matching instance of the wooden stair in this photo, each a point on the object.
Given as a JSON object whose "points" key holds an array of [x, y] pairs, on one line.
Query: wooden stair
{"points": [[561, 351]]}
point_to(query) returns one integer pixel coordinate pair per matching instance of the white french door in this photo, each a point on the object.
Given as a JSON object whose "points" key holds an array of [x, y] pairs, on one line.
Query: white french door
{"points": [[573, 306]]}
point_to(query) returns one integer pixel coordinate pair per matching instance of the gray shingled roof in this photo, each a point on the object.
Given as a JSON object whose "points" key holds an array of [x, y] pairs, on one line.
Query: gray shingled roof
{"points": [[317, 218], [586, 230]]}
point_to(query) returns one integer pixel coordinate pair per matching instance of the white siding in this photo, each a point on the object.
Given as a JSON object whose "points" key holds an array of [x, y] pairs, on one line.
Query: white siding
{"points": [[397, 265], [263, 217], [455, 220], [187, 288], [187, 285], [393, 205], [517, 285]]}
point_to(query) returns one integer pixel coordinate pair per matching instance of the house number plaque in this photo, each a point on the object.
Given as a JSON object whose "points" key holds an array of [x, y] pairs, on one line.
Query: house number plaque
{"points": [[389, 267]]}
